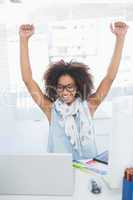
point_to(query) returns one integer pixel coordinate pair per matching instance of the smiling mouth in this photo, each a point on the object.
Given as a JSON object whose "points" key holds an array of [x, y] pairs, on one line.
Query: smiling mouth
{"points": [[65, 98]]}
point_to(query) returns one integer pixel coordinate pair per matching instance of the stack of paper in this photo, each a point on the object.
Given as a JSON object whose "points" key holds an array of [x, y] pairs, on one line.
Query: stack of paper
{"points": [[91, 166]]}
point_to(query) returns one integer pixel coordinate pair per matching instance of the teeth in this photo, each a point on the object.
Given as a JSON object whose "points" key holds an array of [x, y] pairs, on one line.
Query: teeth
{"points": [[65, 98]]}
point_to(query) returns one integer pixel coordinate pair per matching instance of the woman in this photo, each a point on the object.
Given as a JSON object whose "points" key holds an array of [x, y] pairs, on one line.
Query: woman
{"points": [[69, 102]]}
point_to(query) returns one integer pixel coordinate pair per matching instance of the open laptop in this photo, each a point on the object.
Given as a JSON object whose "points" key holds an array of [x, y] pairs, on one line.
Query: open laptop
{"points": [[43, 174]]}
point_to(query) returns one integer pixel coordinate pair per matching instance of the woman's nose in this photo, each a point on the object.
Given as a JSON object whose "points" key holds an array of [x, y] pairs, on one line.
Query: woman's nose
{"points": [[65, 91]]}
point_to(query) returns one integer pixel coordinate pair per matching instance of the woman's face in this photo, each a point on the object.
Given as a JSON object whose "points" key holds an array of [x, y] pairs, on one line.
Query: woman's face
{"points": [[66, 89]]}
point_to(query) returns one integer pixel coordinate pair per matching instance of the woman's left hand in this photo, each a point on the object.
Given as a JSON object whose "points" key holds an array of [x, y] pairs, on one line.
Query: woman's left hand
{"points": [[119, 29]]}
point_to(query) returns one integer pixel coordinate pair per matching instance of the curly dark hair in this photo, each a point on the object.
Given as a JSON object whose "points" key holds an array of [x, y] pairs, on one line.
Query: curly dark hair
{"points": [[78, 71]]}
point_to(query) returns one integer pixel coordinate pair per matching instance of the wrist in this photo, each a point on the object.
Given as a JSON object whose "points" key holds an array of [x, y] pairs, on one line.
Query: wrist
{"points": [[24, 39], [120, 37]]}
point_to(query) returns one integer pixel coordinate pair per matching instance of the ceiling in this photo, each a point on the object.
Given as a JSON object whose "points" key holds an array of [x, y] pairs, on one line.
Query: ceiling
{"points": [[83, 10], [50, 10]]}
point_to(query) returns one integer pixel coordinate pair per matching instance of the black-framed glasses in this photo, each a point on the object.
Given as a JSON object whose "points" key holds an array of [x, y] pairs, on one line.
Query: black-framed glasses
{"points": [[69, 88]]}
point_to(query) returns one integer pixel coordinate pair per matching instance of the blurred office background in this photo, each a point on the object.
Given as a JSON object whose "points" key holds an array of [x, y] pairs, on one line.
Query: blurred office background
{"points": [[77, 30]]}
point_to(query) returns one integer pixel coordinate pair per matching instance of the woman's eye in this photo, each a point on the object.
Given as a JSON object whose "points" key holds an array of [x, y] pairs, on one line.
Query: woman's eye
{"points": [[59, 88]]}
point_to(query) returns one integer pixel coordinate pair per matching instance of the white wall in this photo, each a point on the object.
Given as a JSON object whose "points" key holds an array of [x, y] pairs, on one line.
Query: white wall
{"points": [[26, 131], [121, 139], [23, 136]]}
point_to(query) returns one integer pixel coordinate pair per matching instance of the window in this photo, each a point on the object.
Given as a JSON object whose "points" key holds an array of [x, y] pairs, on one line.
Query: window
{"points": [[38, 48], [89, 41], [92, 42]]}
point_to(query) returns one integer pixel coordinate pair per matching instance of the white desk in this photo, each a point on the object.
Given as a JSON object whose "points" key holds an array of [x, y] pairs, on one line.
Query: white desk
{"points": [[81, 192]]}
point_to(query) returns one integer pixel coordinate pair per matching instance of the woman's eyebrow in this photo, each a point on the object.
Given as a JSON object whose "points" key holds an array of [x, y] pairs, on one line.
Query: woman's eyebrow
{"points": [[69, 84]]}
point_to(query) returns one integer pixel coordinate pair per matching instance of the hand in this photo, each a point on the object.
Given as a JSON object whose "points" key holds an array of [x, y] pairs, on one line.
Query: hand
{"points": [[119, 29], [26, 31]]}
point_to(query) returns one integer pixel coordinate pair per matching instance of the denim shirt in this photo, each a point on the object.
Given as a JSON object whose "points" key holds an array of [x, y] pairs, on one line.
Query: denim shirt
{"points": [[58, 141]]}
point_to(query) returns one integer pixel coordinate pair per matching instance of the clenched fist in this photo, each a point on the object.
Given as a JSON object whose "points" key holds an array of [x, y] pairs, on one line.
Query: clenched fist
{"points": [[119, 29], [26, 31]]}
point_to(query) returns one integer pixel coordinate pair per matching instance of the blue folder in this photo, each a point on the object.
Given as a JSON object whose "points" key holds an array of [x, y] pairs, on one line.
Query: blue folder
{"points": [[127, 193]]}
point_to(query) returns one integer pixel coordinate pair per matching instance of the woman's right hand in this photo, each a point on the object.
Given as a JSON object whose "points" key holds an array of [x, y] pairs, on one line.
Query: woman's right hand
{"points": [[26, 31]]}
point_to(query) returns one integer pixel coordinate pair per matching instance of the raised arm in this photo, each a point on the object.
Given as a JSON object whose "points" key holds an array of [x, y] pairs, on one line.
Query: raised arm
{"points": [[119, 30], [25, 32]]}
